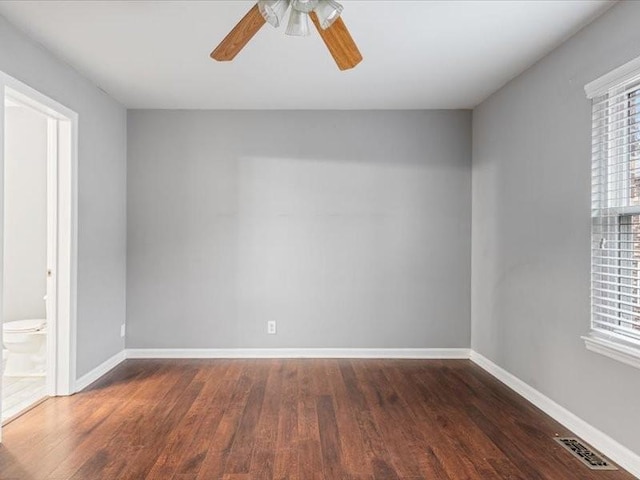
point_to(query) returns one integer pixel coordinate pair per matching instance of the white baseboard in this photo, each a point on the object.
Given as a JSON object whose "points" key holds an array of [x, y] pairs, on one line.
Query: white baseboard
{"points": [[605, 444], [420, 353], [90, 377]]}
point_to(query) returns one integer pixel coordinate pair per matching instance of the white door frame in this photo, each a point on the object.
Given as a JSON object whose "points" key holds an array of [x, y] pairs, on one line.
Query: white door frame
{"points": [[62, 215]]}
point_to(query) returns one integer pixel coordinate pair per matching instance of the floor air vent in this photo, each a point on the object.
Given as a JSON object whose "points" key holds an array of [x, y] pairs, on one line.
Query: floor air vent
{"points": [[585, 454]]}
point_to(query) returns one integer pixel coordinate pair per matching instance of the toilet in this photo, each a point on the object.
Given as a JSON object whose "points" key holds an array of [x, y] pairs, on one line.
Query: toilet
{"points": [[25, 341]]}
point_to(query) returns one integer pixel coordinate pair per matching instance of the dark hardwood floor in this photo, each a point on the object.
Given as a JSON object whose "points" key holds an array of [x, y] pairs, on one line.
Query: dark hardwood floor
{"points": [[290, 419]]}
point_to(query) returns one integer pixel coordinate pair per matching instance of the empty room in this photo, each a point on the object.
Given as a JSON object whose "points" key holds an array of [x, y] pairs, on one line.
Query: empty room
{"points": [[320, 239]]}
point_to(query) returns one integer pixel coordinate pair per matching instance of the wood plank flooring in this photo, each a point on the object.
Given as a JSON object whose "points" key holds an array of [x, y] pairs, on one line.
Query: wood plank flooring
{"points": [[290, 419]]}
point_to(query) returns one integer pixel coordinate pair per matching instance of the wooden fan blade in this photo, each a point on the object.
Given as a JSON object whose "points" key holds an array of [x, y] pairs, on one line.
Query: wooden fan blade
{"points": [[339, 42], [239, 36]]}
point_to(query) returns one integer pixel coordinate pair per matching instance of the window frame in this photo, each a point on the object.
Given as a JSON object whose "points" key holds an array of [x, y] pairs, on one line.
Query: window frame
{"points": [[619, 347]]}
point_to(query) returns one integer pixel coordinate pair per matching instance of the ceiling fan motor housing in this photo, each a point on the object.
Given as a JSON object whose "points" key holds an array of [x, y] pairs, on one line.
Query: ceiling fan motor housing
{"points": [[305, 6]]}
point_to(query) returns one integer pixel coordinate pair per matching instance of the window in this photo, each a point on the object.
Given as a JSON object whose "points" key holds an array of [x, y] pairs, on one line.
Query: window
{"points": [[615, 215]]}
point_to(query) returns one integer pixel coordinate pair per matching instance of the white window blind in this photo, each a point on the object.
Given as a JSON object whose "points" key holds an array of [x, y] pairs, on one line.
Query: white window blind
{"points": [[615, 239]]}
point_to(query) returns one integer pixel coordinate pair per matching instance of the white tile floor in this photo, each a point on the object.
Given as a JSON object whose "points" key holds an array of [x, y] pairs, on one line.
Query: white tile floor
{"points": [[19, 393]]}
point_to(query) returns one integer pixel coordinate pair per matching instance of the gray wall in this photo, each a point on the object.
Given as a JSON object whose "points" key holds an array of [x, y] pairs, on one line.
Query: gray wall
{"points": [[351, 229], [531, 229], [101, 191], [25, 214]]}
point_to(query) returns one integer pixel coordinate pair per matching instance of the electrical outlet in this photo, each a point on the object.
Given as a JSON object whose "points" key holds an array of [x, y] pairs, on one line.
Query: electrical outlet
{"points": [[123, 330], [271, 327]]}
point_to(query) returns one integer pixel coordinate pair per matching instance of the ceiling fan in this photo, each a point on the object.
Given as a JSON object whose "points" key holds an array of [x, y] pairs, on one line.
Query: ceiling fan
{"points": [[325, 15]]}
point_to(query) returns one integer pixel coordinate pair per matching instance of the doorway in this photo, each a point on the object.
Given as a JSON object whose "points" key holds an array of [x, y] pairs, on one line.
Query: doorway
{"points": [[38, 162]]}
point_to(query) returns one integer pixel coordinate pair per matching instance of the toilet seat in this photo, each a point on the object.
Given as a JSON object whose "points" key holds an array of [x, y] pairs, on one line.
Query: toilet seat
{"points": [[24, 326]]}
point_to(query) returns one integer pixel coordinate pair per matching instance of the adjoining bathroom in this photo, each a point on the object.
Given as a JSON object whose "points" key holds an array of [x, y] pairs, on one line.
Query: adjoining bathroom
{"points": [[24, 311]]}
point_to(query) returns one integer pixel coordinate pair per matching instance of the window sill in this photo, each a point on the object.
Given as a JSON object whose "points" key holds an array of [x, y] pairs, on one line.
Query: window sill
{"points": [[618, 350]]}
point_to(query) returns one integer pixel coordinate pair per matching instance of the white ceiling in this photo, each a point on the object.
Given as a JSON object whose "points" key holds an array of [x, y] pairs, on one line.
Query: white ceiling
{"points": [[417, 54]]}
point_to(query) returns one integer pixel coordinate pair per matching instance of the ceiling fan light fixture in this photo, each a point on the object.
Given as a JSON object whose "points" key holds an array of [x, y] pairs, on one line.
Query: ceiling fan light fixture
{"points": [[298, 23], [273, 10], [305, 6], [328, 12]]}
